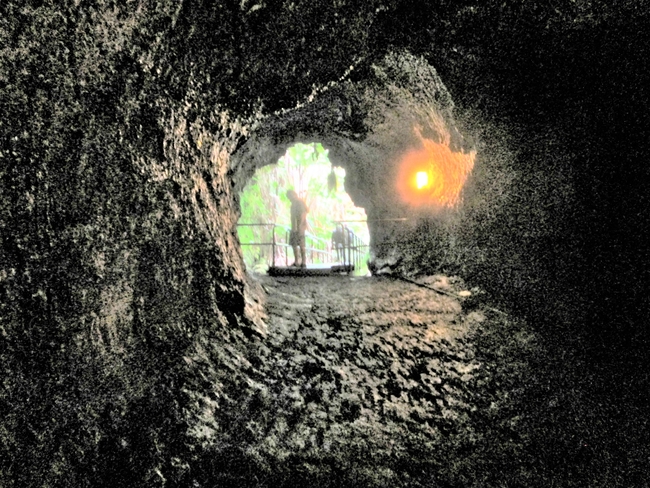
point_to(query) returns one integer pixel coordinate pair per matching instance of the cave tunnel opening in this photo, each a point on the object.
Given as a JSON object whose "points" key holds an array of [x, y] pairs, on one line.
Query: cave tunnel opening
{"points": [[407, 162], [337, 231]]}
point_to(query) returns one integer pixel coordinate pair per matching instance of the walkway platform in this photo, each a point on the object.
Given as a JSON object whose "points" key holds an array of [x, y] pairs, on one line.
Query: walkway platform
{"points": [[310, 270]]}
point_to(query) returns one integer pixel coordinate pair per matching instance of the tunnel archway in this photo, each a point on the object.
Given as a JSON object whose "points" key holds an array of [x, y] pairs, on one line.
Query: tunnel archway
{"points": [[122, 280], [383, 129]]}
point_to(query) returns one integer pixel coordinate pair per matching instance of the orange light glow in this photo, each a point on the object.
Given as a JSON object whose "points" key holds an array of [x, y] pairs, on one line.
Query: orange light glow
{"points": [[433, 175], [421, 179]]}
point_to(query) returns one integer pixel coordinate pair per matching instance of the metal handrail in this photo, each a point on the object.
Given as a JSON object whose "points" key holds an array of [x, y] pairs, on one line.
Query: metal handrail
{"points": [[351, 252], [274, 243]]}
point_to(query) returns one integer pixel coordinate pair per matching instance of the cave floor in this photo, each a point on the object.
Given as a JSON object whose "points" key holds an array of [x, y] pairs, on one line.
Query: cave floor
{"points": [[372, 381]]}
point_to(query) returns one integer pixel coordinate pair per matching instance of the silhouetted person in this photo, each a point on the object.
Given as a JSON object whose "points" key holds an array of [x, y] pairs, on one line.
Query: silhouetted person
{"points": [[298, 227], [339, 242]]}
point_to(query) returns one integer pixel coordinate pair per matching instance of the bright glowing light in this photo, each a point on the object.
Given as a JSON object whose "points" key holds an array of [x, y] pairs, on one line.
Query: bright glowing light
{"points": [[433, 175], [421, 179]]}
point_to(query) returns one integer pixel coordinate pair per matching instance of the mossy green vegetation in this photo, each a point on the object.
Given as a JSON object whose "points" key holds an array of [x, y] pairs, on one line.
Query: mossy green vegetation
{"points": [[305, 168]]}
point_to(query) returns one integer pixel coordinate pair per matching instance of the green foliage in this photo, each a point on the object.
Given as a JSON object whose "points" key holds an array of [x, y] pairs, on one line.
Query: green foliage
{"points": [[306, 169]]}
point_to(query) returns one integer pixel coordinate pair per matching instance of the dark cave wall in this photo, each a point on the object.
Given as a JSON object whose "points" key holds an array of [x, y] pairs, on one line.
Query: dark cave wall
{"points": [[570, 89], [121, 278], [119, 260]]}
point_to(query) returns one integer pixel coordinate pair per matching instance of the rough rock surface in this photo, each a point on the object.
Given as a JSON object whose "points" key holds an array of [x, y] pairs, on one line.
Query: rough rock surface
{"points": [[364, 378], [373, 381]]}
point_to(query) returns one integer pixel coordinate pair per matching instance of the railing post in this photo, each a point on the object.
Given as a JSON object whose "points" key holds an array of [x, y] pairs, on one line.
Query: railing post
{"points": [[350, 239], [357, 252], [318, 249], [273, 245]]}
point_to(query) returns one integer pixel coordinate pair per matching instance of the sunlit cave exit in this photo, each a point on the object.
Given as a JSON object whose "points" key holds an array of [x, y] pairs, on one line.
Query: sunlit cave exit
{"points": [[337, 233]]}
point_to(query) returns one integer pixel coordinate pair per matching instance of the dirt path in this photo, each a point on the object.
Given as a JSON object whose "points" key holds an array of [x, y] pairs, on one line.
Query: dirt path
{"points": [[377, 349]]}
